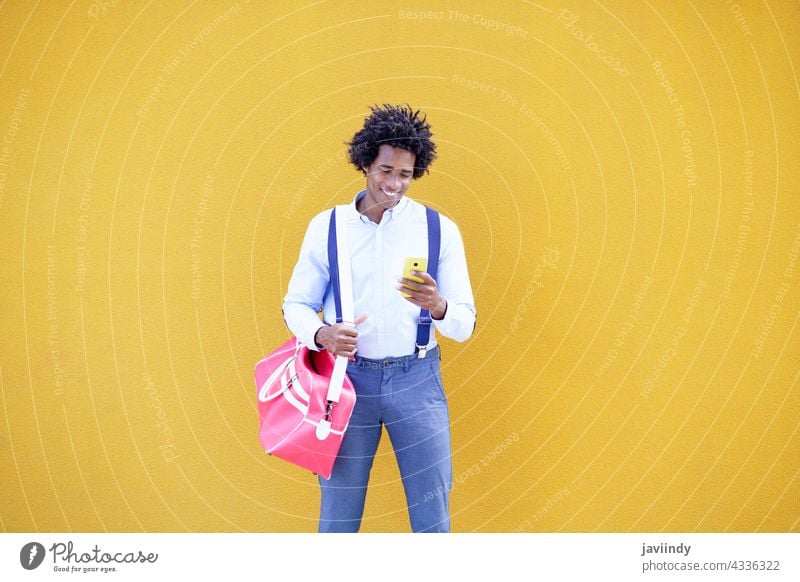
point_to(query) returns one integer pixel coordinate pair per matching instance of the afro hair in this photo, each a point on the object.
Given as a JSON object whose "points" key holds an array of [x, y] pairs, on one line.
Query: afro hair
{"points": [[399, 127]]}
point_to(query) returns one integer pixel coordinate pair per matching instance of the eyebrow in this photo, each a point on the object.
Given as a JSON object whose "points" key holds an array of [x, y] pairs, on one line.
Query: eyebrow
{"points": [[388, 167]]}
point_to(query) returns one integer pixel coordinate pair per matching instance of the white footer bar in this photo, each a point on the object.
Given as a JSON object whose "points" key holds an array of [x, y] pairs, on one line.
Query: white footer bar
{"points": [[407, 557]]}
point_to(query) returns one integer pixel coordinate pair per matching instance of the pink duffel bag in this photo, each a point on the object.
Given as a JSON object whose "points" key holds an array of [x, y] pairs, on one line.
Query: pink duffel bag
{"points": [[305, 398], [300, 420]]}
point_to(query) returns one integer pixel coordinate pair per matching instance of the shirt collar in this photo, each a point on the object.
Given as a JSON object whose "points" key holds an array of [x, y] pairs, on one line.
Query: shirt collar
{"points": [[395, 213]]}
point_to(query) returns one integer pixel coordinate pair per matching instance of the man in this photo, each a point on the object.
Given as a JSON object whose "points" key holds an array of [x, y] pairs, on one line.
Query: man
{"points": [[394, 385]]}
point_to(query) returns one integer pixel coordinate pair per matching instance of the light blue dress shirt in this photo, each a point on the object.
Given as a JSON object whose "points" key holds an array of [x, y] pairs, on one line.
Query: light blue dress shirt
{"points": [[377, 256]]}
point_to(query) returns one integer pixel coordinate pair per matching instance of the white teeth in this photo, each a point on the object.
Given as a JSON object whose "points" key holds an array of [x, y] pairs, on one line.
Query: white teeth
{"points": [[392, 194]]}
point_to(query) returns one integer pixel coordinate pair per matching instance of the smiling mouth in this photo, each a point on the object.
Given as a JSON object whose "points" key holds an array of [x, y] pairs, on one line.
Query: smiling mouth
{"points": [[391, 194]]}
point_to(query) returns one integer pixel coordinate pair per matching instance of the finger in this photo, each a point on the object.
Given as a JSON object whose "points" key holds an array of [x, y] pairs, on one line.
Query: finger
{"points": [[425, 276], [361, 319], [425, 299], [408, 286], [348, 353], [429, 285], [420, 293], [343, 349], [347, 332]]}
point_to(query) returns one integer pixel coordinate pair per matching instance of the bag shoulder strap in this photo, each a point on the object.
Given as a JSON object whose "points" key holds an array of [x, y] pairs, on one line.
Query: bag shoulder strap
{"points": [[342, 284]]}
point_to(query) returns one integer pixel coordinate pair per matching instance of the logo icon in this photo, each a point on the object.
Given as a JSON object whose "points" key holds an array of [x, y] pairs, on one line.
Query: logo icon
{"points": [[31, 555]]}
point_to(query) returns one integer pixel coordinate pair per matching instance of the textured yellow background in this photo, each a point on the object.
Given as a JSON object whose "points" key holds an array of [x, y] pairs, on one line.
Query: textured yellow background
{"points": [[624, 175]]}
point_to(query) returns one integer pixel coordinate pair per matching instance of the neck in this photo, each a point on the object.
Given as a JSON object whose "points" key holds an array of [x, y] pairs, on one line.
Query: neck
{"points": [[369, 208]]}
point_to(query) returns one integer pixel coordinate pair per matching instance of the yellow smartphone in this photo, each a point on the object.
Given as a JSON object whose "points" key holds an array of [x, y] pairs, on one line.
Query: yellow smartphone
{"points": [[414, 264]]}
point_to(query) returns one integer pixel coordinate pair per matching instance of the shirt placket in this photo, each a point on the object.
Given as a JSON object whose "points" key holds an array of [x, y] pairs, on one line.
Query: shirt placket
{"points": [[378, 266]]}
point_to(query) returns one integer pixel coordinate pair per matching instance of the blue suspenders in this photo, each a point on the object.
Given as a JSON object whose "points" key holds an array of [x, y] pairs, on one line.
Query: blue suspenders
{"points": [[333, 266], [434, 244]]}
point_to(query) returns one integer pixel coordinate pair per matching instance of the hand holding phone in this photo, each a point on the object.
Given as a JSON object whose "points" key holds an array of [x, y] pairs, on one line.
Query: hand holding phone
{"points": [[414, 264]]}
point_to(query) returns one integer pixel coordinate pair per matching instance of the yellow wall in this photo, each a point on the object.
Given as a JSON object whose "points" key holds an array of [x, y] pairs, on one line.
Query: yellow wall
{"points": [[625, 178]]}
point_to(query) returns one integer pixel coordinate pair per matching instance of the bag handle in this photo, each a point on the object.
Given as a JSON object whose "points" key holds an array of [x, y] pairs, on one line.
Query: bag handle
{"points": [[262, 393]]}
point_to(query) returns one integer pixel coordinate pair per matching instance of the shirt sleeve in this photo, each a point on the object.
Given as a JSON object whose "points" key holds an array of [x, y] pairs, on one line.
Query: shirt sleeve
{"points": [[309, 282], [453, 283]]}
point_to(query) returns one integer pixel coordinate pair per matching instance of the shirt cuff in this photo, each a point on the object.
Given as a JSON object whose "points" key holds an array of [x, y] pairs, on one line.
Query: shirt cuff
{"points": [[314, 345], [458, 322], [446, 303], [303, 322]]}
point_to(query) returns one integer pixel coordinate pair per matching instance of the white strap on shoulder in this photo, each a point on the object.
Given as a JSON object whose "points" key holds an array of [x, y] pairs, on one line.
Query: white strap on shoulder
{"points": [[345, 275], [346, 293]]}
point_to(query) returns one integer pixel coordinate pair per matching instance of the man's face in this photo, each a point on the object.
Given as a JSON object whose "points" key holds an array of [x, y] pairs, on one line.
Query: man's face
{"points": [[389, 175]]}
